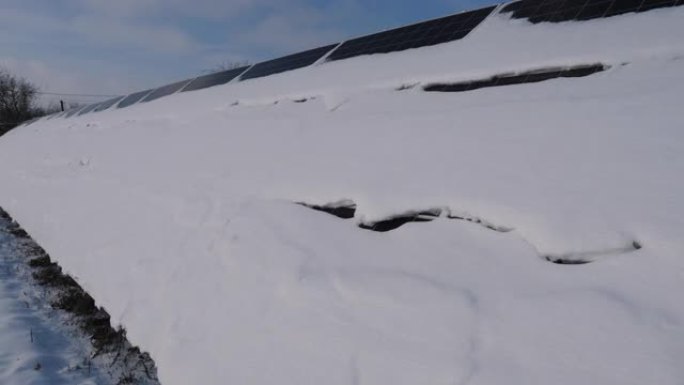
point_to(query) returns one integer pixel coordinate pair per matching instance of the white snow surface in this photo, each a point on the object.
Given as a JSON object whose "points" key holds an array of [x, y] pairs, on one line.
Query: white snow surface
{"points": [[178, 217], [37, 346]]}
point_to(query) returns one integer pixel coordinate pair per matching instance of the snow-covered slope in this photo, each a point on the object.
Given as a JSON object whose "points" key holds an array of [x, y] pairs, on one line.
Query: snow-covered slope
{"points": [[178, 215]]}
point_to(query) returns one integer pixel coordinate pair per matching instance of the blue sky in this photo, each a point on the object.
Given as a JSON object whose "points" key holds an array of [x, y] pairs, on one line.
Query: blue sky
{"points": [[117, 46]]}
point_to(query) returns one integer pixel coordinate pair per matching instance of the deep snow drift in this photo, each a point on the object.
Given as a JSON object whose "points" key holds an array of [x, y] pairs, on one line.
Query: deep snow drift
{"points": [[179, 215]]}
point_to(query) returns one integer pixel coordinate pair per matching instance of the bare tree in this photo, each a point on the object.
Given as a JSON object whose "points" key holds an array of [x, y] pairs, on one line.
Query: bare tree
{"points": [[17, 98]]}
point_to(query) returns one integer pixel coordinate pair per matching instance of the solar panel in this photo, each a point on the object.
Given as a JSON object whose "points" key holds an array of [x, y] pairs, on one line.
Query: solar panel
{"points": [[166, 90], [648, 5], [133, 98], [88, 109], [108, 103], [287, 63], [423, 34], [215, 79], [555, 11], [73, 111]]}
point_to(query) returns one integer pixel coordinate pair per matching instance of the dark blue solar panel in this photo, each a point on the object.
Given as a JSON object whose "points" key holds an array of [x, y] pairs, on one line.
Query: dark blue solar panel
{"points": [[215, 79], [107, 104], [423, 34], [166, 90], [287, 63], [133, 98], [555, 11]]}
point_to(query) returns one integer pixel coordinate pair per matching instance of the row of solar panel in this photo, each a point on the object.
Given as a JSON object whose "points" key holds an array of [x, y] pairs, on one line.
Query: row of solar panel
{"points": [[422, 34], [555, 11]]}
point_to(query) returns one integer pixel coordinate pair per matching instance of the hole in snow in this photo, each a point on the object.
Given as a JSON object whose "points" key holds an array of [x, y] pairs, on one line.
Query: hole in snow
{"points": [[400, 220], [507, 79], [582, 258], [563, 261], [344, 209], [404, 87]]}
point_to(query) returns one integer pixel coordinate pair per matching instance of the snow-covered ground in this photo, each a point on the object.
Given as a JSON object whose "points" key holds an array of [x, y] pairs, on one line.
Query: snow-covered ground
{"points": [[48, 333], [178, 215], [36, 347]]}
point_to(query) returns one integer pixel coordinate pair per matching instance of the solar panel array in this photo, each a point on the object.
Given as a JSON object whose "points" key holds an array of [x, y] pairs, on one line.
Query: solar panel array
{"points": [[555, 11], [215, 79], [287, 63], [428, 33]]}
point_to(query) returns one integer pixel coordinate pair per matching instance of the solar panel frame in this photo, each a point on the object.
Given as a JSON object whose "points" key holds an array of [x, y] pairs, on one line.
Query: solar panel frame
{"points": [[214, 79], [166, 90], [427, 33], [287, 63], [133, 98]]}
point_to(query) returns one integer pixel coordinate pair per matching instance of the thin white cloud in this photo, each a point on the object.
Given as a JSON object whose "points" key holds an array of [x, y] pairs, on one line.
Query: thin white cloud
{"points": [[195, 8], [50, 78], [290, 31], [97, 30], [105, 31]]}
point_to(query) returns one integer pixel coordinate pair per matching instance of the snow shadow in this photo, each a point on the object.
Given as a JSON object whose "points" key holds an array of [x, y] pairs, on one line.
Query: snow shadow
{"points": [[346, 209]]}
